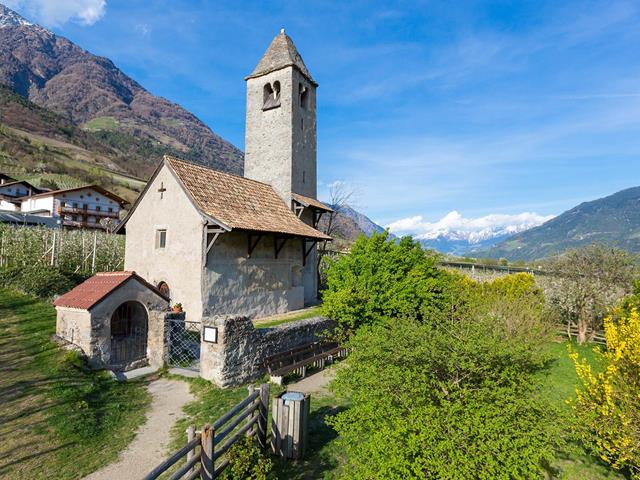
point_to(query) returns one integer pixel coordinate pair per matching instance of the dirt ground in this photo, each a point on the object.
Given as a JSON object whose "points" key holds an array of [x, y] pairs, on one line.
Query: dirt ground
{"points": [[152, 439]]}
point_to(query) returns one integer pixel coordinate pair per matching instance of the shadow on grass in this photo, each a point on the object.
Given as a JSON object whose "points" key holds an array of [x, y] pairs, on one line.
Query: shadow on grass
{"points": [[322, 454]]}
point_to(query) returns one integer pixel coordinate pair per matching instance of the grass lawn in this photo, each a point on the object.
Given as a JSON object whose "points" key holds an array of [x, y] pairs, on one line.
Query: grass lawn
{"points": [[276, 320], [101, 123], [560, 383], [58, 420]]}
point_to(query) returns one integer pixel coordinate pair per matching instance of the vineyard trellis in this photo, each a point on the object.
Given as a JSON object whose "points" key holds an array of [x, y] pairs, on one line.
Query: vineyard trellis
{"points": [[78, 251]]}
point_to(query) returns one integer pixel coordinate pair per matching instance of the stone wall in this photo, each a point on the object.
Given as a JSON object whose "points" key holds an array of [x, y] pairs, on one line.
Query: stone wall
{"points": [[238, 356], [257, 286]]}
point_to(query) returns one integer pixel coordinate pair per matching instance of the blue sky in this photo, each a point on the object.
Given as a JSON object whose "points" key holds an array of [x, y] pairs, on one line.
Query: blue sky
{"points": [[485, 108]]}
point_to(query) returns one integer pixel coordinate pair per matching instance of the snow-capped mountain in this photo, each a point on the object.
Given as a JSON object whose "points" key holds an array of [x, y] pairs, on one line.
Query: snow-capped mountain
{"points": [[9, 18], [459, 235]]}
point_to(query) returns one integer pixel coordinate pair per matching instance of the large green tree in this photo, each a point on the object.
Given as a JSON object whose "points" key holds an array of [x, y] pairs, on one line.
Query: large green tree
{"points": [[382, 279]]}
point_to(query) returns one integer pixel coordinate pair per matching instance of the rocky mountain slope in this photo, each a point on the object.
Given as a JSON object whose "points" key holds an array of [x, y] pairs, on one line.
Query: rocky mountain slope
{"points": [[92, 93], [612, 220]]}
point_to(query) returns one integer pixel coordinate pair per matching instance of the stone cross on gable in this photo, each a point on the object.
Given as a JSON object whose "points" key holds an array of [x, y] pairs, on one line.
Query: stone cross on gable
{"points": [[162, 190]]}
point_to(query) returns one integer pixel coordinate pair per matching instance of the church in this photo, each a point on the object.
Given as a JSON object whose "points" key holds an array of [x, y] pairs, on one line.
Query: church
{"points": [[222, 244]]}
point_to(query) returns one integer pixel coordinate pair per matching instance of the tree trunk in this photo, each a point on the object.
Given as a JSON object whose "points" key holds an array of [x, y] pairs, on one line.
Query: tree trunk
{"points": [[582, 331]]}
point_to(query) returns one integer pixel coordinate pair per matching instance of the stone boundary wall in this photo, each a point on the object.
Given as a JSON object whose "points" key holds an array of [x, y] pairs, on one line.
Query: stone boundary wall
{"points": [[239, 354]]}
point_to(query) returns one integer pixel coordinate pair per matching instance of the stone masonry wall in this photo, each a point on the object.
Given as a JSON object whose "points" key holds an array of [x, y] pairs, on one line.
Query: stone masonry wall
{"points": [[239, 355]]}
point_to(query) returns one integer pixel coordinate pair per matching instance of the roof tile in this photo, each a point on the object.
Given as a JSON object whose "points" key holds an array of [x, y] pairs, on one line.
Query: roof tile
{"points": [[93, 290], [281, 53], [238, 202]]}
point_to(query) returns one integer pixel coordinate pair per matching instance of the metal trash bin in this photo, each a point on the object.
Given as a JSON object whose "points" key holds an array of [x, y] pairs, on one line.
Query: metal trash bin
{"points": [[289, 424]]}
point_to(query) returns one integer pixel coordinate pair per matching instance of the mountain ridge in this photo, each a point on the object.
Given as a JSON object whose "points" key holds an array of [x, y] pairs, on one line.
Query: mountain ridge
{"points": [[613, 220], [94, 94]]}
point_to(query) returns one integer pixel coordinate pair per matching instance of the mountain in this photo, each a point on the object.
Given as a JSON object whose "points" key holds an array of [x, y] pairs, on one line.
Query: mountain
{"points": [[348, 225], [612, 220], [363, 223], [461, 245], [93, 94], [466, 242], [46, 149]]}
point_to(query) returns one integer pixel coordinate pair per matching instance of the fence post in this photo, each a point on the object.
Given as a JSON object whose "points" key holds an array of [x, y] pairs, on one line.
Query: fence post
{"points": [[255, 412], [206, 453], [93, 259], [191, 434], [262, 420], [53, 249]]}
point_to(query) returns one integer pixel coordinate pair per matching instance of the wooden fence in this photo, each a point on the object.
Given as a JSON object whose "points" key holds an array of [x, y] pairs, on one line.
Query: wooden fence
{"points": [[571, 332], [204, 449]]}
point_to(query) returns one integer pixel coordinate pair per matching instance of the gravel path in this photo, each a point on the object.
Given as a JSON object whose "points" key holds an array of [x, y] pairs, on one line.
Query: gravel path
{"points": [[317, 383], [138, 459]]}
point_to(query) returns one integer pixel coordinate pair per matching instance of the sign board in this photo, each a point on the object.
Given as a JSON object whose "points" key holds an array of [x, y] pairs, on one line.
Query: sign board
{"points": [[211, 334]]}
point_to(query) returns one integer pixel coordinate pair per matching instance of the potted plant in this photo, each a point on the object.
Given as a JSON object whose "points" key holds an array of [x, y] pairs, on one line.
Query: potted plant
{"points": [[177, 308]]}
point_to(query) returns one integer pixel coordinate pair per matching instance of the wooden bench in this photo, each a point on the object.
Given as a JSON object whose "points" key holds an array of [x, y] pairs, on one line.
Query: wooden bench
{"points": [[298, 359]]}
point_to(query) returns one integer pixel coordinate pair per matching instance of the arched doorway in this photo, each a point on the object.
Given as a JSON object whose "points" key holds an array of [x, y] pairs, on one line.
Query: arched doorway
{"points": [[129, 326], [164, 289]]}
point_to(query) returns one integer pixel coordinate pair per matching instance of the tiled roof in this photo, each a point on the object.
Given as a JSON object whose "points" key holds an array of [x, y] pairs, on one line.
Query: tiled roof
{"points": [[311, 202], [93, 290], [280, 54], [238, 202], [103, 191], [21, 182]]}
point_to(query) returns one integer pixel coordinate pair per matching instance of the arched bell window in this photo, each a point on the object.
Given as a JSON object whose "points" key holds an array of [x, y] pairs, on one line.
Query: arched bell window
{"points": [[271, 95]]}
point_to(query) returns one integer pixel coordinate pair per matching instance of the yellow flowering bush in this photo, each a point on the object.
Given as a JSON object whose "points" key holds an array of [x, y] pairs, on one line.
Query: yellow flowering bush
{"points": [[607, 403]]}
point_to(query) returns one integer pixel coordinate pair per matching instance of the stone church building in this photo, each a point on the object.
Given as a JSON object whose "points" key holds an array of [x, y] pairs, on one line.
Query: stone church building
{"points": [[223, 244]]}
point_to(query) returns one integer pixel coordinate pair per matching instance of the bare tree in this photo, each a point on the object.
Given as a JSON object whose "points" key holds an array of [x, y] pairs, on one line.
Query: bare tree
{"points": [[340, 194], [586, 281]]}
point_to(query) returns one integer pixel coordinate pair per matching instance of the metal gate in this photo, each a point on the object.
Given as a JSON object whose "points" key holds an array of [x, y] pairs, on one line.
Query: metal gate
{"points": [[183, 344], [129, 328]]}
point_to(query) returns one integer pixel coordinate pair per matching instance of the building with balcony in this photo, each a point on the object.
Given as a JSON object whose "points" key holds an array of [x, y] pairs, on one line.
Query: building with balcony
{"points": [[81, 207]]}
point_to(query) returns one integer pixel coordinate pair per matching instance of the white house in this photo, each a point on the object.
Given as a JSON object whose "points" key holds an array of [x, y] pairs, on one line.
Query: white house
{"points": [[81, 207]]}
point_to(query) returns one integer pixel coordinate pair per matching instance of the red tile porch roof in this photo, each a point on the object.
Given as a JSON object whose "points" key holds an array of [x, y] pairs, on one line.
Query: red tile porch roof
{"points": [[93, 290]]}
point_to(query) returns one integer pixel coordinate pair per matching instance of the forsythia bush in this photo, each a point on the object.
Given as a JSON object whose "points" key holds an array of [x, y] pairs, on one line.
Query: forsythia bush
{"points": [[608, 404]]}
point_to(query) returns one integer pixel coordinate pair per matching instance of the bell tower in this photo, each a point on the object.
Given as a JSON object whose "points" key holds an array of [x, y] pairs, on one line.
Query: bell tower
{"points": [[280, 137]]}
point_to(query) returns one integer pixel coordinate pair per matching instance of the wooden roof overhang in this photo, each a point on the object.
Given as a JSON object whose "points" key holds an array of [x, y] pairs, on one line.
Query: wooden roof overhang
{"points": [[302, 203]]}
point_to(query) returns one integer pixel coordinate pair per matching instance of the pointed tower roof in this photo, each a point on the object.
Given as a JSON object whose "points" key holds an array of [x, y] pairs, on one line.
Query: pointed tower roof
{"points": [[280, 54]]}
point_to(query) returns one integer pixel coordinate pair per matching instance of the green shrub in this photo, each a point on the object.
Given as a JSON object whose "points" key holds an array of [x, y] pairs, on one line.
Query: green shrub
{"points": [[453, 399], [382, 279], [248, 462], [39, 280]]}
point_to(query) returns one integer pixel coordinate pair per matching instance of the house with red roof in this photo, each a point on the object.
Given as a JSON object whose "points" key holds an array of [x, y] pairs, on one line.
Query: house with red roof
{"points": [[116, 318]]}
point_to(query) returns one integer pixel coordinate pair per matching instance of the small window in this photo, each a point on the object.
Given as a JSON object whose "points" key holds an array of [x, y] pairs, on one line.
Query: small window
{"points": [[97, 208], [304, 96], [161, 238]]}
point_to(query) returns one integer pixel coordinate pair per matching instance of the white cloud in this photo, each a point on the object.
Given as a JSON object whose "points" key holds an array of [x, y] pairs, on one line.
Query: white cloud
{"points": [[55, 13], [454, 225]]}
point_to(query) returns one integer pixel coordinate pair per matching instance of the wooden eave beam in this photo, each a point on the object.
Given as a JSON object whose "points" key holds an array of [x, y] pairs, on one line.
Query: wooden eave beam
{"points": [[277, 248], [252, 245], [317, 215], [306, 251], [215, 231], [298, 208]]}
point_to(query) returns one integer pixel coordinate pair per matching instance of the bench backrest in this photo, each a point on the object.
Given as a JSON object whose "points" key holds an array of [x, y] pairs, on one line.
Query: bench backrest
{"points": [[298, 354]]}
